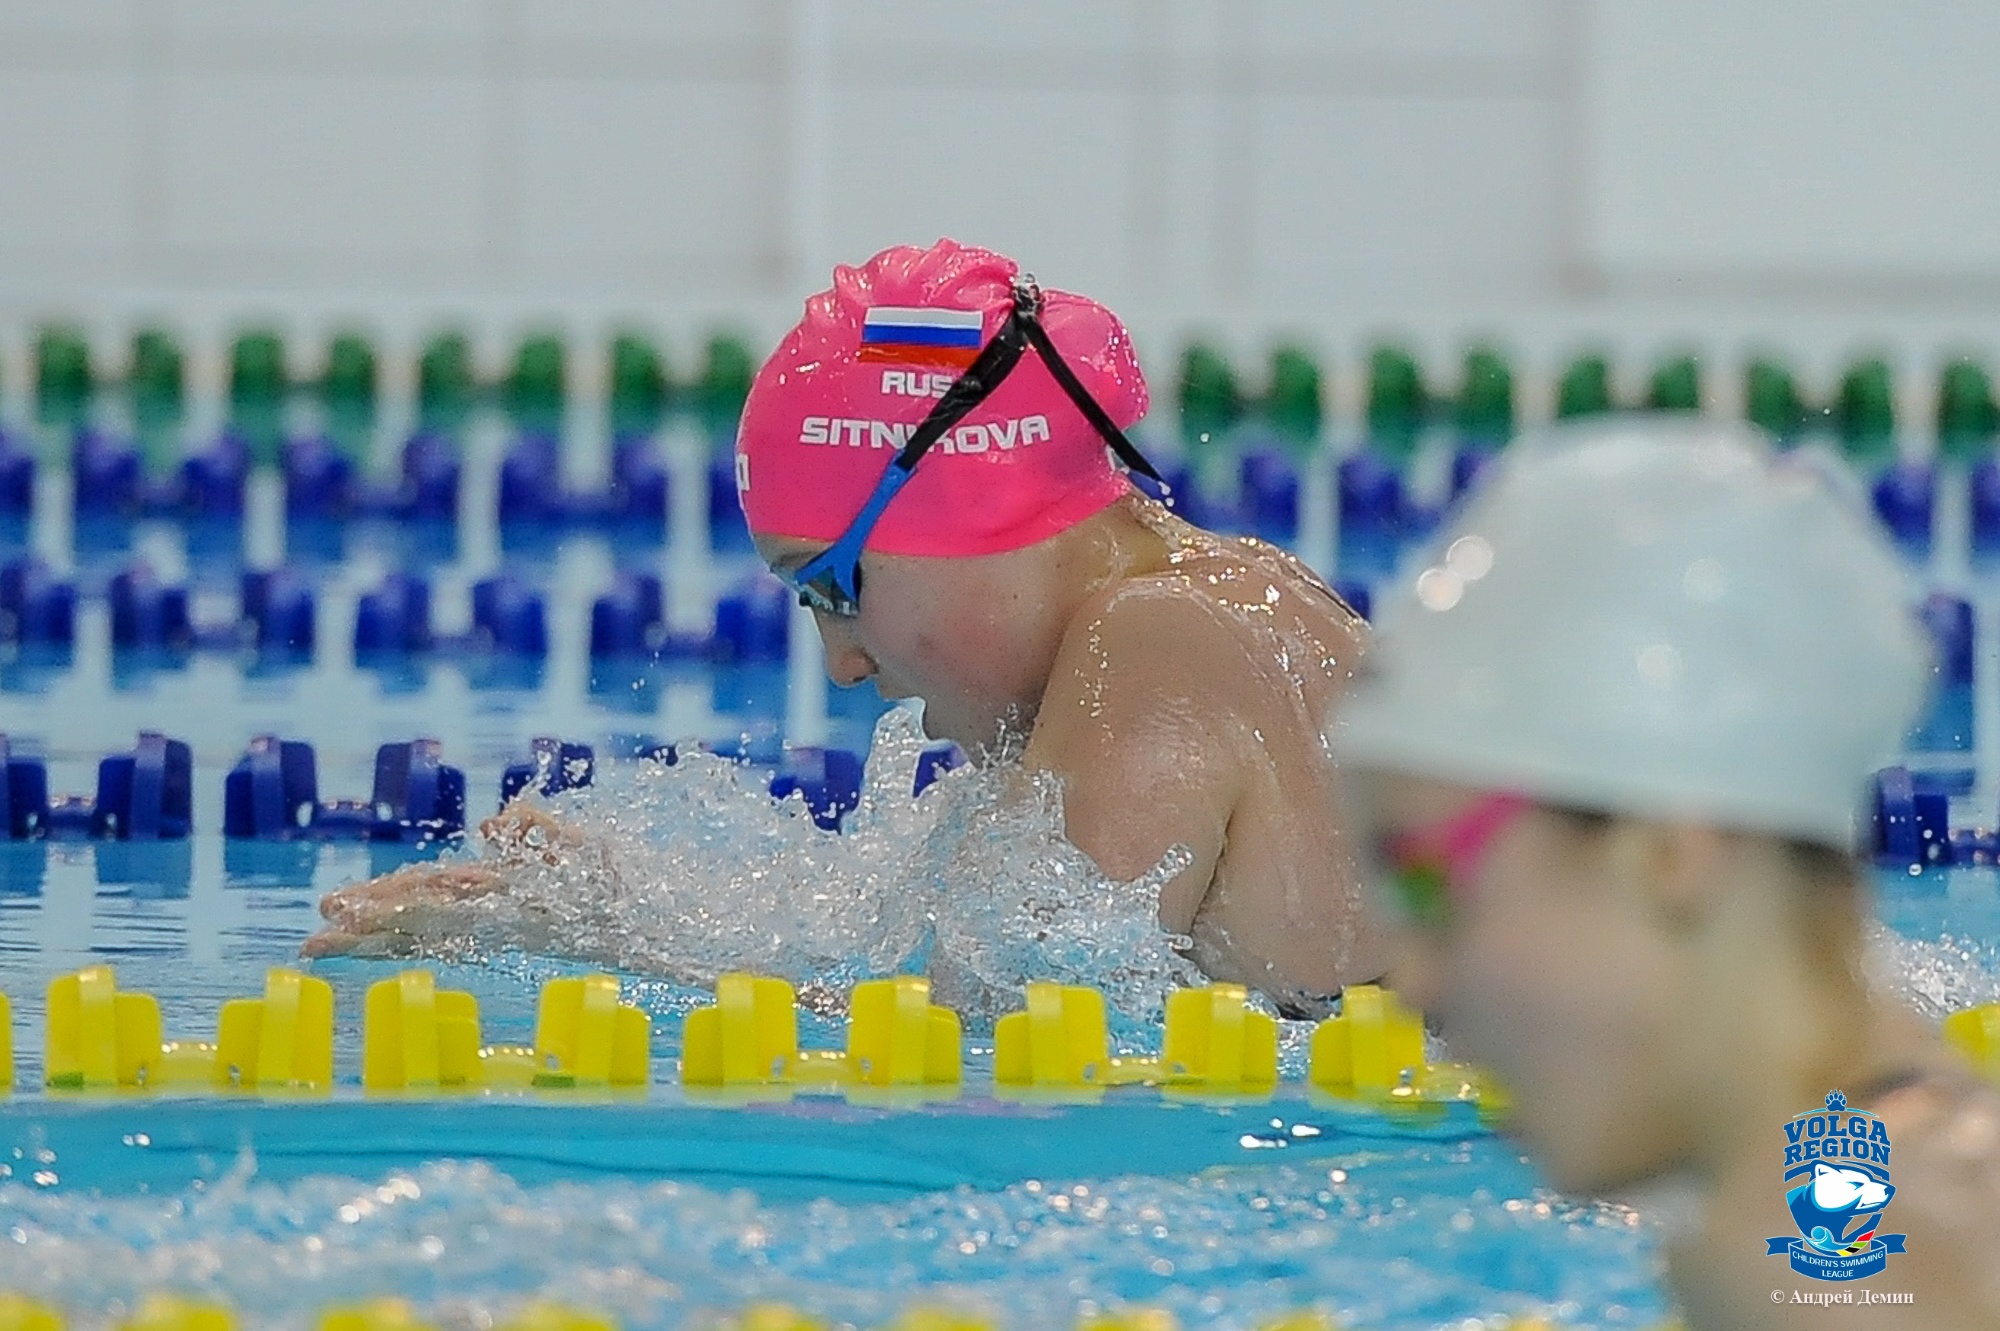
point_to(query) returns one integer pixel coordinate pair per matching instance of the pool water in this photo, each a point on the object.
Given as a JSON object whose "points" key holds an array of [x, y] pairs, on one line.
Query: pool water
{"points": [[658, 1209]]}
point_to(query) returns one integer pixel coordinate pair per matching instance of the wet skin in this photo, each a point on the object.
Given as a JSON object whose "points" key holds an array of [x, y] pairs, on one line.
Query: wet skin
{"points": [[1176, 681], [1660, 998]]}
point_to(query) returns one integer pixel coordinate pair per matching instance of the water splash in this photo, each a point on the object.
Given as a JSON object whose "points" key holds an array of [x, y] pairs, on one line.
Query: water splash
{"points": [[1935, 977], [1392, 1236], [690, 870]]}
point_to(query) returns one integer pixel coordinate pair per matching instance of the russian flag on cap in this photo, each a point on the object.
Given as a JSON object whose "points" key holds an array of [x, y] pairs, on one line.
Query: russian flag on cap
{"points": [[921, 336]]}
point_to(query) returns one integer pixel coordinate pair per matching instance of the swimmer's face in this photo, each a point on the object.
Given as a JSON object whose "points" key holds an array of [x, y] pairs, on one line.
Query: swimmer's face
{"points": [[1542, 971], [963, 634]]}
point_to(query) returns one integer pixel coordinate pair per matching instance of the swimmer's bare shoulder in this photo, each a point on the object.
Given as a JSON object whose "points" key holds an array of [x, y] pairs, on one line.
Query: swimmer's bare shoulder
{"points": [[1132, 722], [1162, 706]]}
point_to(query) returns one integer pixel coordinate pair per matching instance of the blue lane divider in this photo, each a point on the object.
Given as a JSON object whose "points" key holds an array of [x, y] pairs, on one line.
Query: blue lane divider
{"points": [[639, 484], [212, 484], [555, 766], [934, 762], [1948, 726], [829, 780], [1357, 595], [1269, 482], [753, 621], [37, 608], [431, 473], [509, 617], [1911, 828], [105, 475], [394, 619], [24, 794], [629, 621], [144, 795], [272, 794], [1983, 494], [147, 615], [319, 481], [278, 614], [1905, 500], [17, 479]]}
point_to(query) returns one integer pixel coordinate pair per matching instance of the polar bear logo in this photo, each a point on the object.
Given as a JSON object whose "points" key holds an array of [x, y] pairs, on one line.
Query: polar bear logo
{"points": [[1839, 1206]]}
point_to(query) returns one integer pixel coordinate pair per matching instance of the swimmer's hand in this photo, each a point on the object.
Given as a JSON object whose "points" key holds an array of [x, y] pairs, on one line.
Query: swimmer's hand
{"points": [[394, 915], [522, 832]]}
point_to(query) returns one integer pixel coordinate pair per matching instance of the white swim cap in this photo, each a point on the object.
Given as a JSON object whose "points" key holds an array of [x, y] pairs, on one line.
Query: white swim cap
{"points": [[1657, 617]]}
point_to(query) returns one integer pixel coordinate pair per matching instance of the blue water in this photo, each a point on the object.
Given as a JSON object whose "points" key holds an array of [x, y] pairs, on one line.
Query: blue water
{"points": [[655, 1208]]}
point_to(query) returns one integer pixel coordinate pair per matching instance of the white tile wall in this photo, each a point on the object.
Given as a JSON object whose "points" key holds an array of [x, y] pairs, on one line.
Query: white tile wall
{"points": [[319, 165], [624, 175], [603, 26], [1233, 161], [1461, 191], [1045, 177], [67, 164], [106, 25], [950, 38], [1808, 137], [350, 27], [1417, 32]]}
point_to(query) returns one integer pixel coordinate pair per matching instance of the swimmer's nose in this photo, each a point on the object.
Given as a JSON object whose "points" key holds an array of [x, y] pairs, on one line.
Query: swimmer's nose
{"points": [[846, 663]]}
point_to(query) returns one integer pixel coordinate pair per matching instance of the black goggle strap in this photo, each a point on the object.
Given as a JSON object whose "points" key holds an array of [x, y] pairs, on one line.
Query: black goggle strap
{"points": [[996, 360], [1125, 450], [1022, 329]]}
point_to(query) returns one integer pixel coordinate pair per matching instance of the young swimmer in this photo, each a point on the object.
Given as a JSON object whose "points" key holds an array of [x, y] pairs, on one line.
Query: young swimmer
{"points": [[927, 460], [1610, 747]]}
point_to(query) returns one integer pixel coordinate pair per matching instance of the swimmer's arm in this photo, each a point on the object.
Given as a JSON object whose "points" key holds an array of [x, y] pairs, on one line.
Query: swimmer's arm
{"points": [[1134, 724]]}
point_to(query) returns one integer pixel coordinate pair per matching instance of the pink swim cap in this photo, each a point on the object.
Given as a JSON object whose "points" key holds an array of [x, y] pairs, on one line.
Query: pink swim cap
{"points": [[869, 360]]}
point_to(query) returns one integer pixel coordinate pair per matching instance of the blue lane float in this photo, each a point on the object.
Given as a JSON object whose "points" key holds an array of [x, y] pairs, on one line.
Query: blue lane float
{"points": [[753, 622], [393, 620], [531, 482], [319, 481], [827, 780], [24, 794], [105, 477], [279, 618], [1904, 496], [17, 479], [212, 484], [1983, 503], [272, 794], [1911, 823], [431, 477], [1468, 467], [37, 607], [629, 621], [146, 614], [1947, 727], [553, 766], [1269, 485], [509, 618], [1357, 595], [144, 795], [639, 484]]}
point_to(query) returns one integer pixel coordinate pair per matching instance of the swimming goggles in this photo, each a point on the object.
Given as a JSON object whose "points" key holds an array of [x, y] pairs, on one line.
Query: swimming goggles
{"points": [[830, 582], [1431, 865]]}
